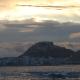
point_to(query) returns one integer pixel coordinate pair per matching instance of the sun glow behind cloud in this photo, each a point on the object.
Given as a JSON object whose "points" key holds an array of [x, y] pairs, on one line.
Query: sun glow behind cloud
{"points": [[14, 12]]}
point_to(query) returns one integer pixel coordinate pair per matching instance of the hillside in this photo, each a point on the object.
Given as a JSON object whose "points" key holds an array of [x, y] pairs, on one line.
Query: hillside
{"points": [[47, 49], [45, 53]]}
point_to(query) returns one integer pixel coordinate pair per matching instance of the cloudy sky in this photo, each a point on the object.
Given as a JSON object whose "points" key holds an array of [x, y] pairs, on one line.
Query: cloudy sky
{"points": [[39, 20]]}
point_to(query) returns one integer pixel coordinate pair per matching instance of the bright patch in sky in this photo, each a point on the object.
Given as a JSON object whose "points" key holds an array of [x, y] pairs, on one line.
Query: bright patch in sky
{"points": [[62, 10]]}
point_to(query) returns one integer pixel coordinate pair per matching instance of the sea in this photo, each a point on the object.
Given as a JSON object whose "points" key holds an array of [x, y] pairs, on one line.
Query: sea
{"points": [[62, 72]]}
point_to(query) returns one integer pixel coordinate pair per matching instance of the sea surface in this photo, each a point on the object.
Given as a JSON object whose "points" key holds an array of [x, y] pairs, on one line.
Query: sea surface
{"points": [[64, 72]]}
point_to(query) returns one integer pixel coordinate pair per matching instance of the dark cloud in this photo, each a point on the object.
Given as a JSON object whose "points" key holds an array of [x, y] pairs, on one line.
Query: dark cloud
{"points": [[47, 30]]}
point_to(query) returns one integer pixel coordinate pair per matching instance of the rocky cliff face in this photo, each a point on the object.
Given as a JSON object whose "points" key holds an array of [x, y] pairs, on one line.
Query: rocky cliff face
{"points": [[46, 53]]}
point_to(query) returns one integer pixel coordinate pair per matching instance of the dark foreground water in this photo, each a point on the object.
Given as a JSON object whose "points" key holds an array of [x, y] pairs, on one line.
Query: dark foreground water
{"points": [[40, 73]]}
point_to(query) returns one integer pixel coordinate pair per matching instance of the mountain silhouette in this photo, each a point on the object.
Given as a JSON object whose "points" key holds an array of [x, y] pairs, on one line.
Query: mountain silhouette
{"points": [[47, 49], [45, 53]]}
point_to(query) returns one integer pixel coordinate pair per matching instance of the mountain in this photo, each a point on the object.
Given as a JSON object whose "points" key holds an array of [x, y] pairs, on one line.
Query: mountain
{"points": [[47, 49], [45, 53]]}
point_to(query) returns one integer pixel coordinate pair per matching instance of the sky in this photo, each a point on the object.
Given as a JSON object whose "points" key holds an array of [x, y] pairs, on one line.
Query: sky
{"points": [[10, 10], [39, 20]]}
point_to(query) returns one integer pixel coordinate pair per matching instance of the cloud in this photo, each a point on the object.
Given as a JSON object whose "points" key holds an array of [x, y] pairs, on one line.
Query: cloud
{"points": [[2, 27], [10, 11], [75, 35], [26, 30], [38, 31]]}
